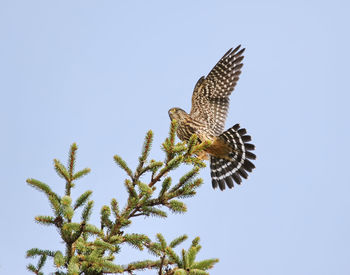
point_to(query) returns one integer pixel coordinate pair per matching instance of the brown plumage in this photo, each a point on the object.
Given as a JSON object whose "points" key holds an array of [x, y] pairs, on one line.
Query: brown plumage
{"points": [[229, 152]]}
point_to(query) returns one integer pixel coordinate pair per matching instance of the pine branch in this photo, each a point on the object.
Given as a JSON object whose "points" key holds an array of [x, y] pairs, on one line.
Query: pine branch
{"points": [[168, 145], [145, 152], [90, 250], [190, 145], [61, 170], [71, 159], [162, 241], [82, 199], [43, 187], [165, 186], [177, 206], [105, 220], [45, 220], [122, 164], [39, 252], [147, 264], [115, 208], [59, 260], [85, 215], [67, 209], [178, 241], [185, 179], [205, 264], [195, 241], [172, 256], [81, 173], [136, 240]]}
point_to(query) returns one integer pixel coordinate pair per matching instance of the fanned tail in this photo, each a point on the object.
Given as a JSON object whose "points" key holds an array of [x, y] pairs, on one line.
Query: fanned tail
{"points": [[226, 172]]}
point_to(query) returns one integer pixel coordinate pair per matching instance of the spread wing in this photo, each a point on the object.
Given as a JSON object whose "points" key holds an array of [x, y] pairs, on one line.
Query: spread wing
{"points": [[210, 99]]}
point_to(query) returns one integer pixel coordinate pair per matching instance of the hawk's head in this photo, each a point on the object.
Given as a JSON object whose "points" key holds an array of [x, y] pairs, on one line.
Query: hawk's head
{"points": [[177, 113]]}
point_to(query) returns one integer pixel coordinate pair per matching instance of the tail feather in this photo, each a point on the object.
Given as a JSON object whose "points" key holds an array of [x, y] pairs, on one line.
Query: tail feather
{"points": [[250, 155], [243, 173], [246, 138], [226, 172]]}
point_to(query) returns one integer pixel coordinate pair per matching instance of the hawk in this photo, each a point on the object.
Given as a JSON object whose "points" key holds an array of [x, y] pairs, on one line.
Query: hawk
{"points": [[230, 151]]}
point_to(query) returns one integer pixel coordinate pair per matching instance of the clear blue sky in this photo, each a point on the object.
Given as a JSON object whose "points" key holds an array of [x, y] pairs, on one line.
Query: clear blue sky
{"points": [[101, 73]]}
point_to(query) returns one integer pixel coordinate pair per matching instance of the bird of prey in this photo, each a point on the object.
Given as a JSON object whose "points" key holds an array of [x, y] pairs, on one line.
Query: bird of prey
{"points": [[230, 150]]}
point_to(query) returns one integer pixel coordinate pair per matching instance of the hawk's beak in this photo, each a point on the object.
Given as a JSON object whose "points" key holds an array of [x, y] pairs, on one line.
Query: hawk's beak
{"points": [[170, 112]]}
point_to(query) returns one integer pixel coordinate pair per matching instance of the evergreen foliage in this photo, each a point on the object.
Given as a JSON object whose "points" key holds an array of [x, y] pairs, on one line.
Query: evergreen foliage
{"points": [[91, 249]]}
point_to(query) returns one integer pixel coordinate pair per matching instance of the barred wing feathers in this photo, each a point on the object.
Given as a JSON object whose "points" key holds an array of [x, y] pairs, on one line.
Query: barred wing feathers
{"points": [[210, 99]]}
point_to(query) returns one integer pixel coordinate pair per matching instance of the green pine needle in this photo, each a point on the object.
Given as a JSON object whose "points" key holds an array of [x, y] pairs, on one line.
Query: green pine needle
{"points": [[166, 146], [43, 187], [172, 164], [146, 148], [122, 164], [105, 214], [179, 148], [145, 190], [195, 161], [32, 268], [165, 186], [195, 241], [186, 178], [161, 240], [73, 266], [197, 272], [153, 211], [172, 256], [169, 143], [85, 215], [205, 265], [190, 144], [181, 272], [66, 201], [188, 190], [141, 265], [131, 189], [81, 173], [59, 260], [82, 199], [55, 203], [71, 159], [177, 206], [155, 249], [39, 252], [191, 255], [45, 220], [41, 262], [155, 165], [178, 241], [172, 132], [71, 226], [136, 240], [68, 212], [109, 267], [115, 208], [116, 239], [92, 230], [184, 259], [61, 170], [104, 245], [201, 147]]}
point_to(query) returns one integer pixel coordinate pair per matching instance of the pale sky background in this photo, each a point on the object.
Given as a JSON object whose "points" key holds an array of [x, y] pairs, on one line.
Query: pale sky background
{"points": [[101, 73]]}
